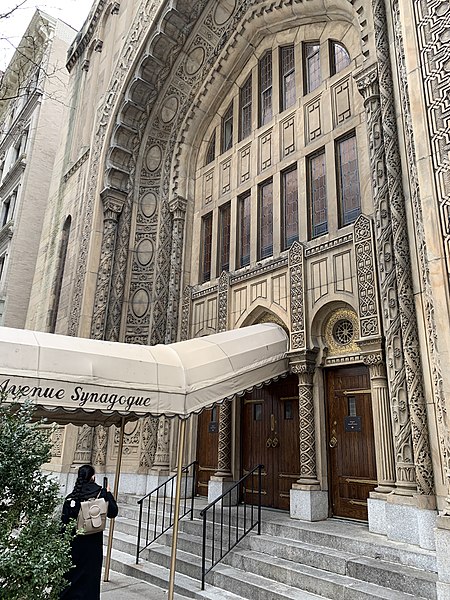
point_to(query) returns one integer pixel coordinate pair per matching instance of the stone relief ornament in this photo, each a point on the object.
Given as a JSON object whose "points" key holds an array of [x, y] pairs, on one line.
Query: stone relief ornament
{"points": [[297, 296], [365, 275]]}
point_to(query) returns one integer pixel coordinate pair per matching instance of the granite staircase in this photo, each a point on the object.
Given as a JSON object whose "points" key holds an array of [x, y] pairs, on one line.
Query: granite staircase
{"points": [[333, 559]]}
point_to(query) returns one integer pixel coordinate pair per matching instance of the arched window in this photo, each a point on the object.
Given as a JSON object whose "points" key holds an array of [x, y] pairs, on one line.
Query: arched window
{"points": [[339, 56]]}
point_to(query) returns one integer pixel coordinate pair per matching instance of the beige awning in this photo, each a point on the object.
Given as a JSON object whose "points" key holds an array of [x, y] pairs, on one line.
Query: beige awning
{"points": [[79, 380]]}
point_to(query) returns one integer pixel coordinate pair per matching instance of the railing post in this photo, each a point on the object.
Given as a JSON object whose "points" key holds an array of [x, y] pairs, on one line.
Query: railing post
{"points": [[204, 551], [139, 533], [259, 497], [194, 481]]}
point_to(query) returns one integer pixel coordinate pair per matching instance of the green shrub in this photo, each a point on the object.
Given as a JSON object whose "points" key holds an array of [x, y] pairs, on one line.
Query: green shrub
{"points": [[34, 553]]}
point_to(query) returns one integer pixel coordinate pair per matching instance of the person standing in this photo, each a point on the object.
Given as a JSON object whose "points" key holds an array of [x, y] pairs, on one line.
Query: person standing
{"points": [[87, 550]]}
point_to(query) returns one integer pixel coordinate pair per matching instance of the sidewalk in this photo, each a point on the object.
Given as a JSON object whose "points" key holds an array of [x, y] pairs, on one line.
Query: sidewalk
{"points": [[122, 587]]}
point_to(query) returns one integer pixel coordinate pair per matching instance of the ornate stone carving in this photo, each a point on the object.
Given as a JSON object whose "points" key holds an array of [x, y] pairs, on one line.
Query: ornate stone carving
{"points": [[431, 25], [222, 302], [224, 458], [100, 445], [349, 346], [161, 461], [297, 296], [113, 202], [185, 312], [148, 442], [365, 275], [83, 450], [178, 211], [303, 364], [57, 438], [410, 337]]}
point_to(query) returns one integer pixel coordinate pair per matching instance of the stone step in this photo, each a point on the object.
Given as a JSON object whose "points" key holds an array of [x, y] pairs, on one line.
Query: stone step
{"points": [[313, 580]]}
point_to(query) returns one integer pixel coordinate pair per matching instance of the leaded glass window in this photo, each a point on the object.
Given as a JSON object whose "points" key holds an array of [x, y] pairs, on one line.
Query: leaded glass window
{"points": [[289, 209], [311, 66], [211, 152], [265, 89], [243, 250], [317, 193], [265, 220], [206, 247], [227, 129], [340, 58], [287, 77], [348, 180], [245, 108], [224, 237]]}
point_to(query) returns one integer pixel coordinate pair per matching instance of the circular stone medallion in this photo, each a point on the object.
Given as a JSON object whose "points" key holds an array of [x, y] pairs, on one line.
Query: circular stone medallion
{"points": [[169, 109], [223, 11], [148, 204], [154, 156], [144, 252], [140, 303], [194, 60]]}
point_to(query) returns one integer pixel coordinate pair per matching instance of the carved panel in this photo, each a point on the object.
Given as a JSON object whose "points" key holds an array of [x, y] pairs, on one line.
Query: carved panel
{"points": [[265, 151], [186, 311], [225, 176], [341, 98], [365, 275], [223, 293], [313, 122], [258, 290], [211, 315], [319, 279], [342, 276], [239, 303], [288, 136], [279, 290], [208, 186], [297, 296], [244, 164]]}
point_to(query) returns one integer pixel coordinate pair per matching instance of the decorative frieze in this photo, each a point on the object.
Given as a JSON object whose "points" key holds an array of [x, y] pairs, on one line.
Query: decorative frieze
{"points": [[296, 282]]}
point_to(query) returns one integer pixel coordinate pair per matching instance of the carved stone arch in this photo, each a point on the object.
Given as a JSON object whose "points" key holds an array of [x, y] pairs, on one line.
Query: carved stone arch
{"points": [[261, 314], [322, 317]]}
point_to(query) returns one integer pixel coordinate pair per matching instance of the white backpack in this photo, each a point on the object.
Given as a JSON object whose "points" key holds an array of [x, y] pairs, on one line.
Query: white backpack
{"points": [[92, 515]]}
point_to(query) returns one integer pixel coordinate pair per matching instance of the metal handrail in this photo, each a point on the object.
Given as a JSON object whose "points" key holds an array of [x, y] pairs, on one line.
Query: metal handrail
{"points": [[227, 540], [156, 529]]}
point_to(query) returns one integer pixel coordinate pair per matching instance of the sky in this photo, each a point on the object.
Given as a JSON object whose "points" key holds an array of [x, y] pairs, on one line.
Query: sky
{"points": [[73, 12]]}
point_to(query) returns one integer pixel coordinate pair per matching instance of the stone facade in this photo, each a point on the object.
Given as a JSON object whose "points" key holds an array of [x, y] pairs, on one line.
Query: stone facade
{"points": [[32, 94], [190, 128]]}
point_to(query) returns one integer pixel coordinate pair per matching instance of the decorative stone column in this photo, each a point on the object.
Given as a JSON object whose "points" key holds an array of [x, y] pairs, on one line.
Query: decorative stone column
{"points": [[308, 501], [178, 212], [222, 480], [161, 465], [413, 499], [113, 203]]}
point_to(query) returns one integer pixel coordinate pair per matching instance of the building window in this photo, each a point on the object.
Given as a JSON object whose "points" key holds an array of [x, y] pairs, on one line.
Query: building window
{"points": [[224, 237], [265, 88], [245, 109], [2, 265], [348, 180], [339, 56], [287, 77], [243, 249], [206, 245], [317, 195], [7, 209], [265, 220], [211, 151], [289, 207], [311, 66], [227, 129]]}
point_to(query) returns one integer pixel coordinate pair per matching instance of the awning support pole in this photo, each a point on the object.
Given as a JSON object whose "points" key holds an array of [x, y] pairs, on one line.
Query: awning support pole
{"points": [[115, 493], [177, 508]]}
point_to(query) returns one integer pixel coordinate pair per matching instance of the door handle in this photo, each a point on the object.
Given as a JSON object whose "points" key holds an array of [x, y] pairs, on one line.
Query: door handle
{"points": [[275, 442], [333, 442], [269, 442]]}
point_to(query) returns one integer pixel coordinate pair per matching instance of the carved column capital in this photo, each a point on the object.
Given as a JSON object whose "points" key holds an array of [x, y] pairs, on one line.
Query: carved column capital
{"points": [[177, 207], [303, 363], [113, 203], [367, 82]]}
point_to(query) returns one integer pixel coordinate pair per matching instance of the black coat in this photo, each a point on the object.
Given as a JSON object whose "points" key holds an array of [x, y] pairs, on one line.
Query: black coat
{"points": [[87, 550]]}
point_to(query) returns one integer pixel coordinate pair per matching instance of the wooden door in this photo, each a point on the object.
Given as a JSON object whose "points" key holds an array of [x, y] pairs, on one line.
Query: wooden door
{"points": [[351, 447], [270, 436], [207, 447]]}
